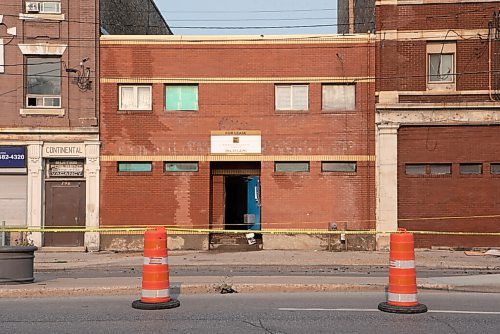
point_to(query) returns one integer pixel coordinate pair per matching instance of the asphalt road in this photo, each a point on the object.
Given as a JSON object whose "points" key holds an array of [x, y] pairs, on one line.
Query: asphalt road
{"points": [[253, 313], [268, 270]]}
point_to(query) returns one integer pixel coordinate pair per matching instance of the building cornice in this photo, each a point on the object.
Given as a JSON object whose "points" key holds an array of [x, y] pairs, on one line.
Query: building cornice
{"points": [[235, 39]]}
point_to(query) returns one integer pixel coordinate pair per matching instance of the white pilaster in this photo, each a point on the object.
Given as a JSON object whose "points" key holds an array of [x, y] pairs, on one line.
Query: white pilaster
{"points": [[35, 180], [387, 181], [92, 167]]}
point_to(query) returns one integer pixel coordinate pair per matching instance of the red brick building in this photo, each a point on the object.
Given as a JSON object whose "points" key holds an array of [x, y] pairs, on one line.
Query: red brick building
{"points": [[239, 133], [438, 120]]}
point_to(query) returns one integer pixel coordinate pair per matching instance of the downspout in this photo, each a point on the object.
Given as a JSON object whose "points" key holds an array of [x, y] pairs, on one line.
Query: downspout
{"points": [[490, 86]]}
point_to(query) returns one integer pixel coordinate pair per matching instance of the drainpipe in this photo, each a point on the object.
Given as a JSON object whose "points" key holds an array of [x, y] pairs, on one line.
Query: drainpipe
{"points": [[490, 36]]}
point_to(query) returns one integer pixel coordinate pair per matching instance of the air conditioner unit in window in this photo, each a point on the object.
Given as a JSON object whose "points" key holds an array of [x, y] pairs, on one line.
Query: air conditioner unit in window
{"points": [[32, 7], [40, 101]]}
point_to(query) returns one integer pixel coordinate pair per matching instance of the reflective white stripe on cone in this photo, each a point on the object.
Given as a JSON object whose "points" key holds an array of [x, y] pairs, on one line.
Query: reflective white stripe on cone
{"points": [[155, 260], [155, 293], [403, 264], [404, 298]]}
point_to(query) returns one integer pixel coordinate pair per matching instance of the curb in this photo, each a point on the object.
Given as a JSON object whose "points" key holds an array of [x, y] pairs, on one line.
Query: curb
{"points": [[188, 289]]}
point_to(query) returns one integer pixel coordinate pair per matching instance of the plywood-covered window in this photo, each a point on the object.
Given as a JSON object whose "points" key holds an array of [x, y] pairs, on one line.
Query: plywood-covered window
{"points": [[338, 97]]}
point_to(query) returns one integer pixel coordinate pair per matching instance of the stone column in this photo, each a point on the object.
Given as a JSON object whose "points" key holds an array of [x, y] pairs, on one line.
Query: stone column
{"points": [[387, 181], [92, 167], [35, 186]]}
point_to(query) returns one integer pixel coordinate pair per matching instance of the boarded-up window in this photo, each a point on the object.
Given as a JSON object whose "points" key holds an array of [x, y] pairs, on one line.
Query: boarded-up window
{"points": [[181, 97], [292, 97], [135, 98], [181, 166], [135, 166], [338, 166], [291, 166], [339, 97], [468, 169]]}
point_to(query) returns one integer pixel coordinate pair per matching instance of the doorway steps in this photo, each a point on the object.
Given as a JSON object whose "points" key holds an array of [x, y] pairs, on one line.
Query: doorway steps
{"points": [[232, 242]]}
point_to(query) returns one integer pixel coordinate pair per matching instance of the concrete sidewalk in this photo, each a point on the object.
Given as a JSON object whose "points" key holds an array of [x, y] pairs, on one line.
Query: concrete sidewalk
{"points": [[57, 262]]}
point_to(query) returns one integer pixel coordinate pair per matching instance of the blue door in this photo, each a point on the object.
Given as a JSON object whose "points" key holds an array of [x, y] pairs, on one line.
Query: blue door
{"points": [[253, 201]]}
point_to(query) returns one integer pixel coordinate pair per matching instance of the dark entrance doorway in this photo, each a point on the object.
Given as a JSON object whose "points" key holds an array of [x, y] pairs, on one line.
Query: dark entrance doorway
{"points": [[64, 207], [242, 202]]}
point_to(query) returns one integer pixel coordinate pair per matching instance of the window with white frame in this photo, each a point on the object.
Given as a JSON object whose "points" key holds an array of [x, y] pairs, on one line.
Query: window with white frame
{"points": [[43, 82], [441, 63], [43, 7], [292, 97], [134, 97], [338, 97]]}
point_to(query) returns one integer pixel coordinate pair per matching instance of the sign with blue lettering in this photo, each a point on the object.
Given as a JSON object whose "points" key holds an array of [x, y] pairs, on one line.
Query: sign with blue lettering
{"points": [[12, 157]]}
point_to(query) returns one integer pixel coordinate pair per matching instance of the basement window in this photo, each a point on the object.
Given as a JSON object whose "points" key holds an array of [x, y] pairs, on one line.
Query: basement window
{"points": [[471, 169], [495, 168], [440, 169], [346, 167], [291, 166], [415, 169], [181, 166], [135, 167]]}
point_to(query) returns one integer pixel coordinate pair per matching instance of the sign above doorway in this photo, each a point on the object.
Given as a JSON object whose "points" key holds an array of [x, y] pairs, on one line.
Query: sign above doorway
{"points": [[235, 142]]}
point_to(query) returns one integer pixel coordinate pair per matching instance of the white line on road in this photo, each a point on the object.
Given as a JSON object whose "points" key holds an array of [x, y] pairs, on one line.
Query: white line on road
{"points": [[376, 310]]}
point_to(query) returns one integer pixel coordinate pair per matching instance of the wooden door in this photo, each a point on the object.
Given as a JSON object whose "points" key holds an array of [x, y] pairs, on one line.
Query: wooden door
{"points": [[65, 208]]}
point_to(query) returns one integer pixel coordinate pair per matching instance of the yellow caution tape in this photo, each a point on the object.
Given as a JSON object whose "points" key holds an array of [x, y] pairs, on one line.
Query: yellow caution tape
{"points": [[177, 230]]}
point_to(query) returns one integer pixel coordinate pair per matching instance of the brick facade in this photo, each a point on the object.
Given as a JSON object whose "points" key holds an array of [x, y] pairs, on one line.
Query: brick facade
{"points": [[236, 86], [455, 121]]}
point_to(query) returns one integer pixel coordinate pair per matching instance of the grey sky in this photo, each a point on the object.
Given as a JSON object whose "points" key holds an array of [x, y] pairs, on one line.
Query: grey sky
{"points": [[249, 13]]}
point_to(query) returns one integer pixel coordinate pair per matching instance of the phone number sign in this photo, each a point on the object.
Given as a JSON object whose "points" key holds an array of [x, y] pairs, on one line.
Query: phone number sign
{"points": [[12, 157]]}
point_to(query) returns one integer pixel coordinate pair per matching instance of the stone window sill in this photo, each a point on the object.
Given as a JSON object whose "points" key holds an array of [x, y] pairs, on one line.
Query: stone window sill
{"points": [[42, 112], [36, 17]]}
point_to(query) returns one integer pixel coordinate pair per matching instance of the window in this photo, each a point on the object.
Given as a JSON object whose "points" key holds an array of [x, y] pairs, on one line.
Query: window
{"points": [[135, 167], [495, 168], [292, 97], [43, 82], [338, 167], [183, 97], [43, 7], [415, 169], [291, 166], [470, 169], [428, 169], [181, 166], [135, 97], [339, 97], [441, 66], [440, 169]]}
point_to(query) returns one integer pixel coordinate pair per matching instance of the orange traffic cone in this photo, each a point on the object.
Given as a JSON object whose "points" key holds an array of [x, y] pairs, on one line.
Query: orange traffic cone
{"points": [[155, 281], [402, 292]]}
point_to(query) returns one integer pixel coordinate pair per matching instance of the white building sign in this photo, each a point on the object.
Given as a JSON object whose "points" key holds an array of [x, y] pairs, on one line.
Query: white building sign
{"points": [[235, 142], [70, 150]]}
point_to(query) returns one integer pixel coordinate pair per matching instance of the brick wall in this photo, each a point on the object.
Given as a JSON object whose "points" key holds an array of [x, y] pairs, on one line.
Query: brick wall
{"points": [[296, 200], [455, 195], [79, 33]]}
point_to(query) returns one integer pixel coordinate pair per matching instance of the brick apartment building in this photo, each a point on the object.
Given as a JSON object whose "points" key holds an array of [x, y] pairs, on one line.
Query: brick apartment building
{"points": [[438, 120], [49, 126], [238, 133]]}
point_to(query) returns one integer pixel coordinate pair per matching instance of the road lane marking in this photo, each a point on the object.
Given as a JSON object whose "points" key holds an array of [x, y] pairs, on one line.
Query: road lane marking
{"points": [[376, 310]]}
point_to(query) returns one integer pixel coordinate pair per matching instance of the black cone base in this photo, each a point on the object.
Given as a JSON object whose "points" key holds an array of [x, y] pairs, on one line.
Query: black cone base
{"points": [[172, 303], [419, 308]]}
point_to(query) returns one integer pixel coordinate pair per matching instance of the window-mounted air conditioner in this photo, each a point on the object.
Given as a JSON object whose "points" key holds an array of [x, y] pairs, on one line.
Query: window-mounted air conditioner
{"points": [[32, 7]]}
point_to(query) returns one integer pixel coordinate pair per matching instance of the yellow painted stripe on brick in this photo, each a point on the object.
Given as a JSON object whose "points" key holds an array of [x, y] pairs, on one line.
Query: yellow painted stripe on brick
{"points": [[145, 80], [208, 158]]}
